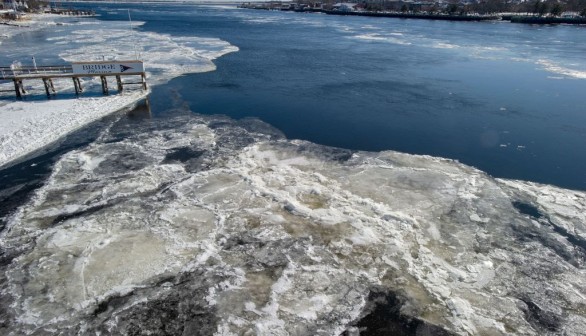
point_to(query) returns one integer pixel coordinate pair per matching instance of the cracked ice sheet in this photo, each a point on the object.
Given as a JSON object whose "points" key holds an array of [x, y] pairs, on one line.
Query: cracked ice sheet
{"points": [[29, 126], [300, 233]]}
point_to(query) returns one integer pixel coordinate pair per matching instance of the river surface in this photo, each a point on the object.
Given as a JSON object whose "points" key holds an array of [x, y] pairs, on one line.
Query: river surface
{"points": [[505, 98], [259, 194]]}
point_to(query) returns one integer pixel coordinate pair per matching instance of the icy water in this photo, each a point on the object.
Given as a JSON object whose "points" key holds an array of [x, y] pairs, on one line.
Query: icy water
{"points": [[505, 98], [180, 221]]}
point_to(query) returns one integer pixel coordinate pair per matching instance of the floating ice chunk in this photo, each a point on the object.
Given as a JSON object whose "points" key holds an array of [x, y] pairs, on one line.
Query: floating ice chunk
{"points": [[477, 218], [555, 68]]}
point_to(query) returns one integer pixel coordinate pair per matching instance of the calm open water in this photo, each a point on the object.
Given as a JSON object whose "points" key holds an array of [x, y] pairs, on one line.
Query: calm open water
{"points": [[505, 98]]}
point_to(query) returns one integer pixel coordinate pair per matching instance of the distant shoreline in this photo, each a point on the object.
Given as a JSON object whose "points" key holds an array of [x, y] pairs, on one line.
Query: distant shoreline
{"points": [[189, 2], [442, 17], [547, 20], [526, 19]]}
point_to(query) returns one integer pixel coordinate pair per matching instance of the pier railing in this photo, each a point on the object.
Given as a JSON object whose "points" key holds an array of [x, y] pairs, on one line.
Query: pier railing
{"points": [[9, 73]]}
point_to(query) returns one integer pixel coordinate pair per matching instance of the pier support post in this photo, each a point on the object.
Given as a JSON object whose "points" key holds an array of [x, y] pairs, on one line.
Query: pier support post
{"points": [[21, 87], [52, 86], [46, 87], [17, 89], [49, 87], [144, 84], [104, 85], [119, 82], [77, 85]]}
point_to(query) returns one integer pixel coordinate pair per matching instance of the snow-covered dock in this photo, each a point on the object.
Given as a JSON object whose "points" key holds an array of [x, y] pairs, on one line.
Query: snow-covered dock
{"points": [[29, 126], [75, 71]]}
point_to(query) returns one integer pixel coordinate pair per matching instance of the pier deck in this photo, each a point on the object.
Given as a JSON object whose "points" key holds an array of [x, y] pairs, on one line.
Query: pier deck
{"points": [[48, 73]]}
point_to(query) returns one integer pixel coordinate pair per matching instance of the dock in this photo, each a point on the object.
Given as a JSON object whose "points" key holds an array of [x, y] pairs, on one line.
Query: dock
{"points": [[75, 71]]}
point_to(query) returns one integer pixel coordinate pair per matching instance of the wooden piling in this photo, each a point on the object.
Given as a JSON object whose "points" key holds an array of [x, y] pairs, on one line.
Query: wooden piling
{"points": [[46, 87], [104, 85], [49, 87], [17, 89], [119, 82], [21, 86], [77, 85], [144, 84]]}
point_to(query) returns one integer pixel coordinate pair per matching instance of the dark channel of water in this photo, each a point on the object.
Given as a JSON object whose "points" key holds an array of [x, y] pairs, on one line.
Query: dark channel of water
{"points": [[479, 93]]}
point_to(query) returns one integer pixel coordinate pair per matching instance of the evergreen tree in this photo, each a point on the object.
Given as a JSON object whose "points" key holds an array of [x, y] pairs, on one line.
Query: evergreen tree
{"points": [[556, 10], [452, 8]]}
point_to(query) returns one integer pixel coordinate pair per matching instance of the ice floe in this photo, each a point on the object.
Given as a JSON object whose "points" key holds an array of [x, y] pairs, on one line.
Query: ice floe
{"points": [[206, 222]]}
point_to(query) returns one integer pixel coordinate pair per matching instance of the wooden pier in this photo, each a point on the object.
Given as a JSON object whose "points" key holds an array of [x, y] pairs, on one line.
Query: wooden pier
{"points": [[75, 71]]}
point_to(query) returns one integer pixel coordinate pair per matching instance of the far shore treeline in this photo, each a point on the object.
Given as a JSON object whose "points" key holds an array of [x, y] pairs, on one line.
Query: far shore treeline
{"points": [[554, 8], [540, 8], [537, 7]]}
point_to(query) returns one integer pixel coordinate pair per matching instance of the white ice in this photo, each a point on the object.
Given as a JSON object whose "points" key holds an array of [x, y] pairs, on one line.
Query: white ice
{"points": [[445, 235]]}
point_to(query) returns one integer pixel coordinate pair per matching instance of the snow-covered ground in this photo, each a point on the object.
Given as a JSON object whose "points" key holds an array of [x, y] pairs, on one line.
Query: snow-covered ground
{"points": [[30, 125], [34, 123]]}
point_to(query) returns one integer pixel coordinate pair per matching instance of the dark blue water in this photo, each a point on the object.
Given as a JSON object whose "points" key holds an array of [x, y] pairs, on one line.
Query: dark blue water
{"points": [[505, 98]]}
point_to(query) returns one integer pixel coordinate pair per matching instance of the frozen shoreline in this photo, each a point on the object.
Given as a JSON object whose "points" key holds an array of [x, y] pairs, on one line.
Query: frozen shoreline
{"points": [[35, 22], [34, 124]]}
